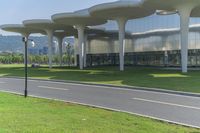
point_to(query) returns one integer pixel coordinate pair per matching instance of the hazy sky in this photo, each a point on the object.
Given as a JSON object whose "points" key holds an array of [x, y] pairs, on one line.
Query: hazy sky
{"points": [[15, 11]]}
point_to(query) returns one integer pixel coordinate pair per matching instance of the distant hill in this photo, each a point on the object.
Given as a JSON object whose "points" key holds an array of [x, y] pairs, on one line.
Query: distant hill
{"points": [[15, 44]]}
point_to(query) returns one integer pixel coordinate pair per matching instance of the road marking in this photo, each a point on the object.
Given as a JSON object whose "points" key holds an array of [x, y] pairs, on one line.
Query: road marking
{"points": [[2, 82], [109, 87], [117, 88], [166, 103], [53, 88]]}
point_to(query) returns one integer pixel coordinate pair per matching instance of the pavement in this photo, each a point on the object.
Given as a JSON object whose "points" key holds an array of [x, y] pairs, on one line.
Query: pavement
{"points": [[173, 108]]}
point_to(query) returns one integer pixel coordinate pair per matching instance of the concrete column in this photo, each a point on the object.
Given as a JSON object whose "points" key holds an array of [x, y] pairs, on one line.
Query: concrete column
{"points": [[121, 24], [80, 29], [85, 50], [184, 12], [50, 46], [60, 41]]}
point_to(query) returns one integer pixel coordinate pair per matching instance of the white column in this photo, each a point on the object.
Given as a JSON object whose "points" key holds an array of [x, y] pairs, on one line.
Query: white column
{"points": [[184, 12], [80, 29], [121, 24], [60, 41], [85, 50], [50, 46]]}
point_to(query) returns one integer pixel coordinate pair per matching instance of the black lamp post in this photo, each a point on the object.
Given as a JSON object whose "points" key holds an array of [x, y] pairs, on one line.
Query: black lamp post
{"points": [[25, 40]]}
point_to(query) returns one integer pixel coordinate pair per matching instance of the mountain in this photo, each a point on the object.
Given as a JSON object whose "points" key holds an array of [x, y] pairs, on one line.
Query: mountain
{"points": [[14, 43]]}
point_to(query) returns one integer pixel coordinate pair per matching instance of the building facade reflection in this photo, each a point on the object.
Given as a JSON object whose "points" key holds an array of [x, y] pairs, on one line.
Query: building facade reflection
{"points": [[153, 41]]}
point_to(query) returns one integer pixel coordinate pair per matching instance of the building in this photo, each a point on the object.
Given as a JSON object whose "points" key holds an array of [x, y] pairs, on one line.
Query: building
{"points": [[153, 41], [125, 32]]}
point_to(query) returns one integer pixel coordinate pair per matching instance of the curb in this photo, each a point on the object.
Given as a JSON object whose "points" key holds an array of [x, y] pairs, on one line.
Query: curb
{"points": [[116, 86]]}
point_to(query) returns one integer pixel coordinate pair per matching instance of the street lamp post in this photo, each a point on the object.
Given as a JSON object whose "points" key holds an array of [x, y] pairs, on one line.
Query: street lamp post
{"points": [[25, 40]]}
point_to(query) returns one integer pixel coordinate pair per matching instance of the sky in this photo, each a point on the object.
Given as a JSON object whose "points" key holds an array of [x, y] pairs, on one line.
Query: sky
{"points": [[15, 11]]}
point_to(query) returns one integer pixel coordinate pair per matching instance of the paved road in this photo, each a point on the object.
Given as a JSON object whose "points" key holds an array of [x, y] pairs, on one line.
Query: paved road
{"points": [[169, 107]]}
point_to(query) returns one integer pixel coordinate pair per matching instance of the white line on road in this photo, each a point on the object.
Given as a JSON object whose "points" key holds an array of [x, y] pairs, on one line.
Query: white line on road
{"points": [[166, 103], [117, 88], [109, 87], [53, 88], [2, 82]]}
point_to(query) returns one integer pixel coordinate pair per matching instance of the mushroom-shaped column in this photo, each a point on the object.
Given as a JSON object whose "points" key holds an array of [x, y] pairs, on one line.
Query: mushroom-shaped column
{"points": [[49, 27], [81, 44], [121, 11], [19, 28], [60, 36], [79, 19], [50, 46], [185, 10]]}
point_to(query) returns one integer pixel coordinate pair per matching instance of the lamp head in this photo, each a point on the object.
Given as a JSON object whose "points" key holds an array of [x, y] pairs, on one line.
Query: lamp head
{"points": [[24, 39]]}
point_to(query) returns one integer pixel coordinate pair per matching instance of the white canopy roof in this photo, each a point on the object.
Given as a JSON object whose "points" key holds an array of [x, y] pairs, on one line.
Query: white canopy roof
{"points": [[130, 9], [19, 28], [171, 5], [45, 24], [81, 17]]}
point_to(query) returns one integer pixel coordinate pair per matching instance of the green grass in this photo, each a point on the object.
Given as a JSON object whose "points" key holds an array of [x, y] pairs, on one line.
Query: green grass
{"points": [[32, 115], [132, 76]]}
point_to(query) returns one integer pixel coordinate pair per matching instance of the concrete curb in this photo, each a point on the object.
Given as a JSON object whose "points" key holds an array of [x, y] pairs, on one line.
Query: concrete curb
{"points": [[125, 87]]}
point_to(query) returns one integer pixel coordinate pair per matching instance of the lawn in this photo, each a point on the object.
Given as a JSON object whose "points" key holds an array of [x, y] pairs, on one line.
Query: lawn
{"points": [[32, 115], [132, 76]]}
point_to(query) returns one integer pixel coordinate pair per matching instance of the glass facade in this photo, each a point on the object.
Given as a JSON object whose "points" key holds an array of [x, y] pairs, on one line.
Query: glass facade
{"points": [[150, 48]]}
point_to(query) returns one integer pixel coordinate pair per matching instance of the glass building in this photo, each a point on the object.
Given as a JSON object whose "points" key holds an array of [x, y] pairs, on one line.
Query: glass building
{"points": [[150, 41]]}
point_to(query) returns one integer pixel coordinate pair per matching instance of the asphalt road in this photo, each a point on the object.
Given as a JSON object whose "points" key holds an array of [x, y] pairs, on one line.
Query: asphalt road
{"points": [[174, 108]]}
